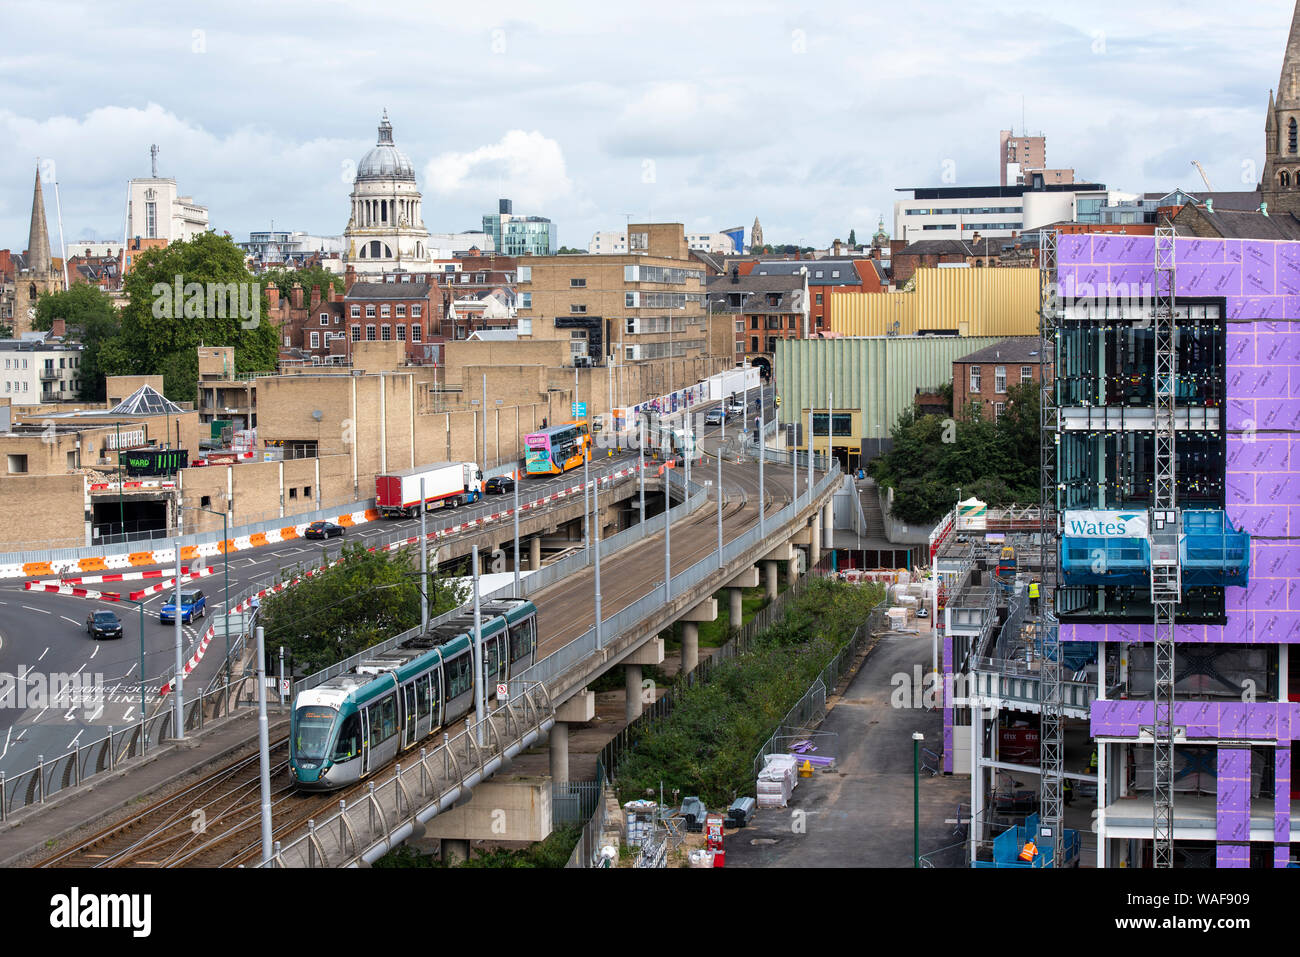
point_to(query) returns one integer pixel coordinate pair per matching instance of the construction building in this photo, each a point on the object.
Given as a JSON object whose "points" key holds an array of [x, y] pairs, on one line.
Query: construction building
{"points": [[1153, 680]]}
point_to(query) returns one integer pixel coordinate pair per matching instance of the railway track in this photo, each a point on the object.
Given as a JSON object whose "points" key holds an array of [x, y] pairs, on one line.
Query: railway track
{"points": [[172, 828]]}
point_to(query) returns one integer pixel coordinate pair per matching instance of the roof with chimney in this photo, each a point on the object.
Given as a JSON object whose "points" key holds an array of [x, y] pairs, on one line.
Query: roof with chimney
{"points": [[1018, 349], [1237, 224], [390, 290]]}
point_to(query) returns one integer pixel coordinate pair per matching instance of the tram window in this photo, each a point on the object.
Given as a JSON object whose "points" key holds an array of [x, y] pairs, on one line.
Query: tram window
{"points": [[421, 697], [383, 719], [349, 742], [434, 678]]}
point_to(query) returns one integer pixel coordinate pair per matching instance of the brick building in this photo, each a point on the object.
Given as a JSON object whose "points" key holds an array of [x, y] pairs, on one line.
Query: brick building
{"points": [[764, 309], [645, 305], [982, 378]]}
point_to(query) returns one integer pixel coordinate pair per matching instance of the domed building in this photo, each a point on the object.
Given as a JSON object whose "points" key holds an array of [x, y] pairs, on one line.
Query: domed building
{"points": [[386, 231]]}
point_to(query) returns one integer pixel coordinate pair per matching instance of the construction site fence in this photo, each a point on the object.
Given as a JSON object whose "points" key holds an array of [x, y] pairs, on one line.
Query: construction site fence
{"points": [[810, 710], [586, 852], [573, 801], [118, 746]]}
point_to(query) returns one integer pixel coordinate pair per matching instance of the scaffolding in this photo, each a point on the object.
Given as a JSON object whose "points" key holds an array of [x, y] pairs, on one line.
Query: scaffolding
{"points": [[1052, 754], [1166, 576]]}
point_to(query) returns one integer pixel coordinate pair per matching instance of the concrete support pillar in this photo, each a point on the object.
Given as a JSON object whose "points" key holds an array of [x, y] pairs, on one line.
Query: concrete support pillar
{"points": [[828, 526], [815, 540], [792, 570], [535, 552], [736, 609], [770, 580], [454, 850], [690, 646], [560, 751], [633, 692]]}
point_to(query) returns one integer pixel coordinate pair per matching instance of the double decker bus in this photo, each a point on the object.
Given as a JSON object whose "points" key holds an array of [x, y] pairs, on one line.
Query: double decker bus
{"points": [[557, 449]]}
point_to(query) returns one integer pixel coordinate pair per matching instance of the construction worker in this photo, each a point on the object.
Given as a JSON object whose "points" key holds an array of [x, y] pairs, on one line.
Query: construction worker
{"points": [[1068, 788], [1029, 852], [1092, 762], [1033, 597]]}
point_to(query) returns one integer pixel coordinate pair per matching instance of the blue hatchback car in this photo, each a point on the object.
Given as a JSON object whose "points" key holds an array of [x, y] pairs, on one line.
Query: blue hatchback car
{"points": [[193, 605]]}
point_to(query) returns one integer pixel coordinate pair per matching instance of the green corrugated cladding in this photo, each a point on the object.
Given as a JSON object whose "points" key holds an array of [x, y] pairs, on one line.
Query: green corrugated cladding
{"points": [[878, 375]]}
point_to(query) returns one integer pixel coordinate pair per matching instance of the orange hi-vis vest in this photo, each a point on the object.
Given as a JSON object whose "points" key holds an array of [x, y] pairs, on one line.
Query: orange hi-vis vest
{"points": [[1029, 851]]}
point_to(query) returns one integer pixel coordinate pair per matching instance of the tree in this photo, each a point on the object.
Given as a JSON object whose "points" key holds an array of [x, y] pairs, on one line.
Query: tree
{"points": [[93, 320], [853, 239], [184, 295], [284, 279], [932, 457], [566, 251], [364, 599]]}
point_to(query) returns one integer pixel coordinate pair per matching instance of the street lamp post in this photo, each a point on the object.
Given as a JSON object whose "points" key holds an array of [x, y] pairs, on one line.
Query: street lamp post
{"points": [[595, 523], [917, 738], [719, 506], [121, 505], [178, 701]]}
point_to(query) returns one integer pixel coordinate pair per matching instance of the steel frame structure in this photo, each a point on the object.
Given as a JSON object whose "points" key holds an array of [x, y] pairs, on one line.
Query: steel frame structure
{"points": [[1052, 751], [1166, 574]]}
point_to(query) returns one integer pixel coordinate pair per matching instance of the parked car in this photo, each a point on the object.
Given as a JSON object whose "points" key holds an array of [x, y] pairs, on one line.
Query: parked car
{"points": [[323, 530], [103, 624], [499, 485], [193, 605], [923, 613]]}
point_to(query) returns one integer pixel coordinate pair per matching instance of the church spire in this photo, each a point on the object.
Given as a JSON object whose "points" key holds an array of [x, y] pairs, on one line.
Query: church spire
{"points": [[38, 239], [1288, 85]]}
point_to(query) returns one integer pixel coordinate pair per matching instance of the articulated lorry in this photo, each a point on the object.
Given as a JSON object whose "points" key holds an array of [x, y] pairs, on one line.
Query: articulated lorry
{"points": [[446, 485]]}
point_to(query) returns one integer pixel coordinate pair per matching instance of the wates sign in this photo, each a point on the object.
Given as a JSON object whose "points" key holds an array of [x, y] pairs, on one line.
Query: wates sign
{"points": [[154, 461], [1108, 524]]}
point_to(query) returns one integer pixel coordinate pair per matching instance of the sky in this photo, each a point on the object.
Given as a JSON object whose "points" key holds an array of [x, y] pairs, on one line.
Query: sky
{"points": [[806, 115]]}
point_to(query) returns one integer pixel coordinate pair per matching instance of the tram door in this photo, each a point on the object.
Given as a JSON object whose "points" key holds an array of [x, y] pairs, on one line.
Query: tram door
{"points": [[491, 661], [408, 715], [366, 731]]}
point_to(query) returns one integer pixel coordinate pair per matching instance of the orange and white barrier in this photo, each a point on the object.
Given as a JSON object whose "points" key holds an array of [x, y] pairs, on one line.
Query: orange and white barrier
{"points": [[167, 556]]}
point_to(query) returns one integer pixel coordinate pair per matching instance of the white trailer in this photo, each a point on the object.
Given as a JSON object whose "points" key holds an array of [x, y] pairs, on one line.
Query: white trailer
{"points": [[446, 485]]}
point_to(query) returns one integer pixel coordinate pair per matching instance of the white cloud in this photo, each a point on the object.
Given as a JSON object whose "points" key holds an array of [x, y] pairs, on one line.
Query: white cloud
{"points": [[528, 168], [680, 119]]}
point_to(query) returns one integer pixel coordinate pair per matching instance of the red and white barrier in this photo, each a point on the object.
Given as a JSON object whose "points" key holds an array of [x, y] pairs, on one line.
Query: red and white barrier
{"points": [[75, 592], [171, 583]]}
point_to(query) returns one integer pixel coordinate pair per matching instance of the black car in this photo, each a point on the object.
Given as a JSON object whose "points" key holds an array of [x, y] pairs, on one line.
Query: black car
{"points": [[103, 624], [498, 485], [323, 530]]}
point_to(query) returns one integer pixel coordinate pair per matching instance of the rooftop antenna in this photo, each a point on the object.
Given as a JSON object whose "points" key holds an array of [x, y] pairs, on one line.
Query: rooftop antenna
{"points": [[153, 159]]}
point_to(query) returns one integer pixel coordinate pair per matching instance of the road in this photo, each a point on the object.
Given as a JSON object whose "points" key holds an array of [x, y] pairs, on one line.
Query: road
{"points": [[45, 633]]}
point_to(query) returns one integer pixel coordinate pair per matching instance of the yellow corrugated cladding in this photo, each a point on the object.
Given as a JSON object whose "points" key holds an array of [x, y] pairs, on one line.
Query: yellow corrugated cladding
{"points": [[992, 301]]}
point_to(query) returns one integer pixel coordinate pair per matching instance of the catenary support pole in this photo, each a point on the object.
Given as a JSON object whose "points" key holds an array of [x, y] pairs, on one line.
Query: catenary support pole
{"points": [[263, 746], [480, 703]]}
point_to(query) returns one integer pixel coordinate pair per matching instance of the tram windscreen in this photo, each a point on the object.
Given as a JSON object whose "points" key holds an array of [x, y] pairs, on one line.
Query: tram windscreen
{"points": [[312, 725]]}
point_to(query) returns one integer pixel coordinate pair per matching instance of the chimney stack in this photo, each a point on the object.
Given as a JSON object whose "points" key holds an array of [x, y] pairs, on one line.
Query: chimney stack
{"points": [[315, 295]]}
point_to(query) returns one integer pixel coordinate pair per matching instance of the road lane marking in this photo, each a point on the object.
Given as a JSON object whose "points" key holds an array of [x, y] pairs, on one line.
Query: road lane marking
{"points": [[66, 618], [44, 653], [41, 610], [95, 652]]}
